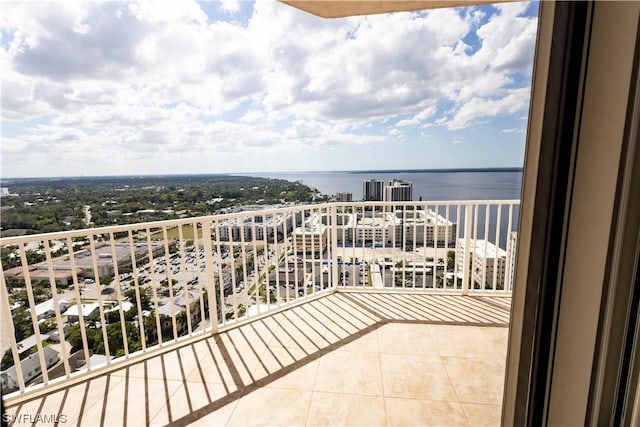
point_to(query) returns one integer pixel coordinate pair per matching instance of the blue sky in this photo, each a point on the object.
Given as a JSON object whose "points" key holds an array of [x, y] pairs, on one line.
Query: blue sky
{"points": [[148, 87]]}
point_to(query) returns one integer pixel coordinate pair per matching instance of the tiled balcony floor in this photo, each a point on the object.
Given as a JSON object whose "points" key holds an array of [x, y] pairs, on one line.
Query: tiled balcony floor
{"points": [[344, 359]]}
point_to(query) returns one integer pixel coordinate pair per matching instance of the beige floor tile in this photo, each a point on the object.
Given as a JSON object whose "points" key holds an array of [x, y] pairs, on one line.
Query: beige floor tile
{"points": [[86, 395], [242, 361], [336, 332], [465, 341], [407, 338], [62, 407], [271, 406], [287, 368], [78, 401], [499, 337], [302, 378], [476, 380], [191, 397], [411, 412], [133, 402], [364, 343], [414, 377], [259, 333], [213, 418], [345, 310], [305, 313], [316, 312], [295, 333], [481, 415], [174, 365], [349, 372], [332, 409], [212, 367]]}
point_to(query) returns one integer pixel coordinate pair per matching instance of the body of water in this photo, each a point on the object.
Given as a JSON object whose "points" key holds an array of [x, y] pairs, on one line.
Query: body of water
{"points": [[489, 184], [433, 186]]}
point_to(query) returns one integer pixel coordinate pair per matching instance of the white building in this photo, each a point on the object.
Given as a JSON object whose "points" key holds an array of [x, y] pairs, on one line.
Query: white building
{"points": [[311, 237], [88, 311], [385, 228], [31, 369], [47, 308], [487, 263], [398, 191], [511, 259], [377, 228], [344, 197], [254, 229], [183, 301], [422, 226]]}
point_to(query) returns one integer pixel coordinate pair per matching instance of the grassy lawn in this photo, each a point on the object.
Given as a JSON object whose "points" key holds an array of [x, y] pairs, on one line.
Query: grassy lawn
{"points": [[172, 233]]}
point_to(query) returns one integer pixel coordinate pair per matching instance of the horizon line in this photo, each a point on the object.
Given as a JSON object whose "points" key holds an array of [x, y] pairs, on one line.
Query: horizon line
{"points": [[353, 171]]}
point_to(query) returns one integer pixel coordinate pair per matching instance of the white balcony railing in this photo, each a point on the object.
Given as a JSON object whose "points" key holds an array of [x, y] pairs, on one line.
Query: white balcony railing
{"points": [[128, 291]]}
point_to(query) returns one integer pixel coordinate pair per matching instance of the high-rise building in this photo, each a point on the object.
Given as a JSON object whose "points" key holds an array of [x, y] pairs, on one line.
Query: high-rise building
{"points": [[344, 197], [398, 191], [372, 190], [487, 263]]}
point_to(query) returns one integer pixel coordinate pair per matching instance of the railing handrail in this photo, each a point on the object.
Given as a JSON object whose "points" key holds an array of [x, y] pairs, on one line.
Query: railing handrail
{"points": [[229, 216]]}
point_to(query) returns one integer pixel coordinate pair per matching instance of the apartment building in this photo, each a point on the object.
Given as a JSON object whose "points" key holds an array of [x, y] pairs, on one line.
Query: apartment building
{"points": [[372, 190], [344, 197], [425, 226], [249, 229], [311, 237], [487, 263], [398, 191]]}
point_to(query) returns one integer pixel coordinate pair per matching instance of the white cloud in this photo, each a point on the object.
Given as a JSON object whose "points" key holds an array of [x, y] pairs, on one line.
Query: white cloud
{"points": [[476, 108], [230, 5], [513, 130], [162, 77]]}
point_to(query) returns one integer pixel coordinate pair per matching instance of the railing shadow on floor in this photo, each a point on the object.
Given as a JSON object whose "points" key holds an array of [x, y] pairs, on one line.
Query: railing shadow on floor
{"points": [[184, 385]]}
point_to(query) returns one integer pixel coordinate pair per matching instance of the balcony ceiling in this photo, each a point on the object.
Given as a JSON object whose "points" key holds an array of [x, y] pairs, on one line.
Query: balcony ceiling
{"points": [[341, 8]]}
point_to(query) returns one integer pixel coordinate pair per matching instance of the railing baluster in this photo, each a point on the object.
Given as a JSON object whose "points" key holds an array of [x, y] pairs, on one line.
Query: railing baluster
{"points": [[243, 251], [207, 235], [7, 318], [334, 248], [97, 284], [466, 266], [32, 312], [76, 288], [56, 308], [513, 251], [136, 288], [196, 270], [169, 270], [496, 265], [222, 304], [154, 286], [116, 276], [184, 287], [485, 265]]}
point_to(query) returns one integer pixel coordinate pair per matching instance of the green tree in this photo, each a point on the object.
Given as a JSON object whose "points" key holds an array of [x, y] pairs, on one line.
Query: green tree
{"points": [[451, 260], [75, 338], [145, 301], [116, 342], [106, 280]]}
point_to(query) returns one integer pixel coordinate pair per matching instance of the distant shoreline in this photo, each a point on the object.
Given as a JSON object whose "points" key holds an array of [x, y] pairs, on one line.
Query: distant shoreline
{"points": [[452, 170], [257, 174]]}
